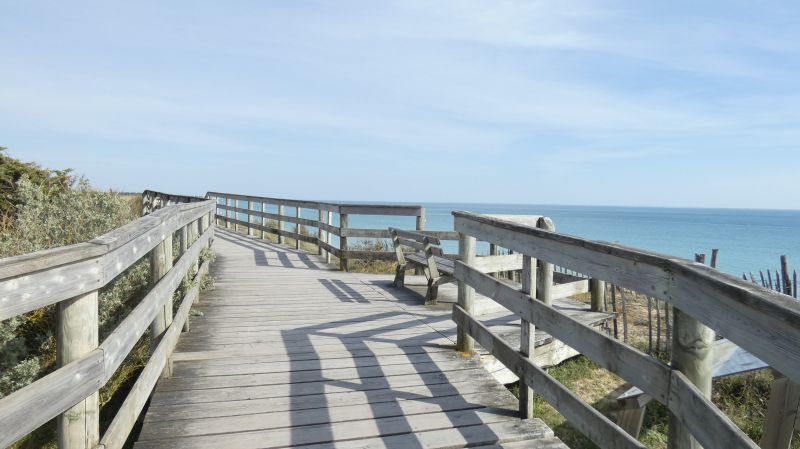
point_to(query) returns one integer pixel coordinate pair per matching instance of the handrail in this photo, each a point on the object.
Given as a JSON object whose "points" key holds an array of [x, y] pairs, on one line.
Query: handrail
{"points": [[70, 277], [228, 204], [761, 321]]}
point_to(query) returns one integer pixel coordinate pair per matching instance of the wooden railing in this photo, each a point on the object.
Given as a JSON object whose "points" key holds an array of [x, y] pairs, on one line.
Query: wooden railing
{"points": [[70, 277], [229, 206], [765, 323]]}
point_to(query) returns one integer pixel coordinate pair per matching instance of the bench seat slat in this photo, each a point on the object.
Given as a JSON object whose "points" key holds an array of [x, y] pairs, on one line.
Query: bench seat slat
{"points": [[443, 264]]}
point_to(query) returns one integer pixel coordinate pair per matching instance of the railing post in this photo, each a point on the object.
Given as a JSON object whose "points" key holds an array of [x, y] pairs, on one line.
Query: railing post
{"points": [[249, 218], [263, 220], [77, 335], [328, 237], [227, 213], [420, 227], [160, 263], [281, 239], [343, 242], [527, 336], [544, 289], [297, 227], [466, 294], [184, 240], [692, 355], [598, 291], [320, 231]]}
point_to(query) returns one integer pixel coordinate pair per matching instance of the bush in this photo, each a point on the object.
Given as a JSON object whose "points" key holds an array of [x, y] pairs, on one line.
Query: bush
{"points": [[47, 216]]}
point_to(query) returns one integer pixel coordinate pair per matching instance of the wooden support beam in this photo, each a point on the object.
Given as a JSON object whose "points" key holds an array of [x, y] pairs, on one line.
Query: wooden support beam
{"points": [[281, 238], [544, 290], [77, 335], [297, 227], [784, 400], [160, 264], [691, 355], [598, 291], [343, 242], [466, 294], [527, 336]]}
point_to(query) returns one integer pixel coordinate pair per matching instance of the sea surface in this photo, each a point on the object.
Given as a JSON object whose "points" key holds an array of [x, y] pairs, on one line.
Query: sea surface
{"points": [[747, 239]]}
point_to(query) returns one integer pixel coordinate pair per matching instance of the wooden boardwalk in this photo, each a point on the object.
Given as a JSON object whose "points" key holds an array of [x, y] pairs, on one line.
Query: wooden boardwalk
{"points": [[286, 351]]}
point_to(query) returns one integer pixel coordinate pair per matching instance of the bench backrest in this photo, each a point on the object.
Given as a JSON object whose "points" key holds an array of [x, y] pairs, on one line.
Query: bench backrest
{"points": [[424, 244]]}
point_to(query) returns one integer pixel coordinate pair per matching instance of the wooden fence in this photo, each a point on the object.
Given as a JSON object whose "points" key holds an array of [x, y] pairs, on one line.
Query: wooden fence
{"points": [[229, 206], [70, 278], [764, 322]]}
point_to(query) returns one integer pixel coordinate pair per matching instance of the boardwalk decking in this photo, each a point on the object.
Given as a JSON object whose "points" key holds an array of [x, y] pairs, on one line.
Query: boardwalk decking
{"points": [[286, 351]]}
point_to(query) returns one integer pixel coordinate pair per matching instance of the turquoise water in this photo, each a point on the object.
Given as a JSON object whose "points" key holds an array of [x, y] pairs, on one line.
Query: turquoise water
{"points": [[748, 240]]}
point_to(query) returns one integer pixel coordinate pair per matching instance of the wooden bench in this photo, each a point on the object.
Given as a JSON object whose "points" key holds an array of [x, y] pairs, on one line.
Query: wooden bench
{"points": [[427, 254]]}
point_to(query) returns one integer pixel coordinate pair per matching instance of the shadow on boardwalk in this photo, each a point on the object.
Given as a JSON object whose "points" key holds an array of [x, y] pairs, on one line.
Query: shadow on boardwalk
{"points": [[287, 352]]}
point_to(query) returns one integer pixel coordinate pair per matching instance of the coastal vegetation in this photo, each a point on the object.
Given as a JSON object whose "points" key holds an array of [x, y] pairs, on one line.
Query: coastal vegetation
{"points": [[41, 208]]}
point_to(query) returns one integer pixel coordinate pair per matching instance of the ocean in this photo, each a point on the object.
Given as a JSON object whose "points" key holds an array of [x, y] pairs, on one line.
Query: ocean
{"points": [[747, 239]]}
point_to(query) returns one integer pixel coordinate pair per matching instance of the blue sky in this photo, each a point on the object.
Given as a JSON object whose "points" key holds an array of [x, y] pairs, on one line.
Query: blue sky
{"points": [[564, 102]]}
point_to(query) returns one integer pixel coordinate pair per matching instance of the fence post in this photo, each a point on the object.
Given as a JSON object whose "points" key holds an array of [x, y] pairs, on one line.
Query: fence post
{"points": [[343, 242], [281, 239], [692, 355], [297, 227], [544, 290], [782, 408], [466, 294], [320, 231], [598, 290], [420, 226], [263, 220], [160, 263], [77, 335], [228, 212], [527, 336], [249, 218], [328, 237]]}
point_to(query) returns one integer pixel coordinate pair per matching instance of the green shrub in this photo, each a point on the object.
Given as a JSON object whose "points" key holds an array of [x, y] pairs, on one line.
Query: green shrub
{"points": [[46, 217]]}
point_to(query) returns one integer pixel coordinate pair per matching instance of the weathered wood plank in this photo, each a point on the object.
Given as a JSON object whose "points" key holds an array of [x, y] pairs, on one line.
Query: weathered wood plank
{"points": [[635, 367], [763, 322], [593, 424], [32, 406]]}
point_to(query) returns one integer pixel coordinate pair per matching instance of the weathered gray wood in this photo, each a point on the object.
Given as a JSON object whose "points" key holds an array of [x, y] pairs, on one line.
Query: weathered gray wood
{"points": [[297, 227], [280, 218], [598, 290], [128, 413], [47, 277], [645, 372], [160, 264], [369, 209], [558, 291], [30, 407], [342, 241], [527, 336], [321, 234], [122, 339], [581, 415], [77, 336], [764, 323], [322, 357], [705, 422], [466, 294], [782, 408], [691, 354], [496, 264], [544, 291]]}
